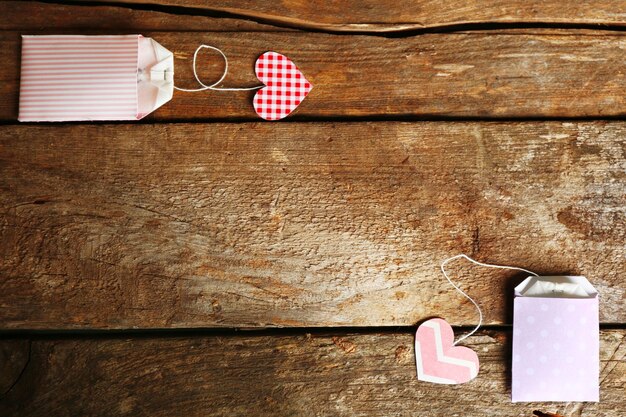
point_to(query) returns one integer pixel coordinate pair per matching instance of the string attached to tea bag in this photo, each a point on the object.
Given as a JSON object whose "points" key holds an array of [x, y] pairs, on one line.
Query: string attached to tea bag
{"points": [[480, 313], [437, 358], [284, 85], [214, 85]]}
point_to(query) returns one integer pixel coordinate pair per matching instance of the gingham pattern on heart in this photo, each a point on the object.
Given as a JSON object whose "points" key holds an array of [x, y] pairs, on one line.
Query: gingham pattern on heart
{"points": [[286, 86]]}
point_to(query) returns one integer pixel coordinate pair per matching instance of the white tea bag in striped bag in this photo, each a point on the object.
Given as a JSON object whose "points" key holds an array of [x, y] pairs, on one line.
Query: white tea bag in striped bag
{"points": [[77, 78]]}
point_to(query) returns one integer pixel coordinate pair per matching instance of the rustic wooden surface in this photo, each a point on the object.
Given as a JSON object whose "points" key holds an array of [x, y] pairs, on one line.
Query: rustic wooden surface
{"points": [[449, 75], [195, 225], [300, 375], [338, 216], [403, 15], [33, 17]]}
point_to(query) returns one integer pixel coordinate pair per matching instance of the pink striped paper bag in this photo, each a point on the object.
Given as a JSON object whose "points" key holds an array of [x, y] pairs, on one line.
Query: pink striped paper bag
{"points": [[74, 78]]}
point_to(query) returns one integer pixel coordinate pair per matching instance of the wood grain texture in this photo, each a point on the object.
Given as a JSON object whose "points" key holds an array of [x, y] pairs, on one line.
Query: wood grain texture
{"points": [[312, 375], [436, 75], [237, 225], [379, 16], [45, 18], [14, 358]]}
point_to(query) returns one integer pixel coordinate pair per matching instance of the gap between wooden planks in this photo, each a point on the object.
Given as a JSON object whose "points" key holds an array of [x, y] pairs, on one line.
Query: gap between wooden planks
{"points": [[255, 225], [128, 17], [402, 15], [274, 375], [56, 17], [575, 74]]}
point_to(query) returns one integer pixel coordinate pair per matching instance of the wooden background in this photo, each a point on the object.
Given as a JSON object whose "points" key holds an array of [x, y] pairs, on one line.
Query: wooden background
{"points": [[204, 262]]}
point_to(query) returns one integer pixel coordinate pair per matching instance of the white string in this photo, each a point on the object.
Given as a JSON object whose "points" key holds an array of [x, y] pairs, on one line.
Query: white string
{"points": [[212, 86], [480, 313]]}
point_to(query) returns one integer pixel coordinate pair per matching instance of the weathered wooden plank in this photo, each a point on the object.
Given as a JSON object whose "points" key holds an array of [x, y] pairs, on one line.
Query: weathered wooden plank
{"points": [[35, 17], [379, 16], [458, 75], [14, 356], [312, 375], [200, 225]]}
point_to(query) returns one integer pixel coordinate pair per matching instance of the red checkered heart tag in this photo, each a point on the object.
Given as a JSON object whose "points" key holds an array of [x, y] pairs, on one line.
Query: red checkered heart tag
{"points": [[286, 86]]}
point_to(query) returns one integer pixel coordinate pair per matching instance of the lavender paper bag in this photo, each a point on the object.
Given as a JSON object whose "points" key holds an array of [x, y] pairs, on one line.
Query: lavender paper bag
{"points": [[555, 340]]}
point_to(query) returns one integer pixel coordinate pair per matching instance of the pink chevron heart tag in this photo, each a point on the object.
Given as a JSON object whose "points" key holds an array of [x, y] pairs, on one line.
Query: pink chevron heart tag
{"points": [[285, 88], [438, 360]]}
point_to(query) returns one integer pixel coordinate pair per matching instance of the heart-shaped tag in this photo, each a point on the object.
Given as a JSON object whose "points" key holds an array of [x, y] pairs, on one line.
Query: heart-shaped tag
{"points": [[438, 360], [286, 86]]}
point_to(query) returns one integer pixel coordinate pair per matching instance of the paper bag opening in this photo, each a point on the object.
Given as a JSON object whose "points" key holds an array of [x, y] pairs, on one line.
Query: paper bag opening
{"points": [[556, 287]]}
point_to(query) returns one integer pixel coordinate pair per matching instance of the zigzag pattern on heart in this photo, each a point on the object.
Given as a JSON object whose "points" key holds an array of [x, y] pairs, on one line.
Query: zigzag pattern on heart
{"points": [[438, 360]]}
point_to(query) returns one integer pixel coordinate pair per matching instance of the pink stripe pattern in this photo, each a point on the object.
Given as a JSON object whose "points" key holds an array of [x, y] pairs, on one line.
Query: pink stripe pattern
{"points": [[438, 360], [78, 78]]}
